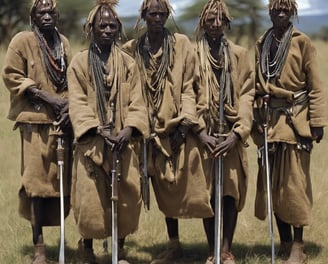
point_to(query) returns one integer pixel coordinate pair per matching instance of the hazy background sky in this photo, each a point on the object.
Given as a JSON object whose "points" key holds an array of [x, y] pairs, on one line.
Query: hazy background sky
{"points": [[131, 7]]}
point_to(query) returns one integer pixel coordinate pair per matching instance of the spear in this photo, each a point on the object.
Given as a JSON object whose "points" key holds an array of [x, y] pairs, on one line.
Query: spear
{"points": [[267, 173], [60, 174]]}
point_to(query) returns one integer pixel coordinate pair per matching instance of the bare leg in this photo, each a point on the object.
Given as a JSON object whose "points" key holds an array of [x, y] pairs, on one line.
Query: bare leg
{"points": [[284, 229], [297, 254], [36, 221], [286, 238], [208, 224], [172, 226], [88, 243], [230, 215], [121, 252], [86, 250], [298, 234], [173, 250]]}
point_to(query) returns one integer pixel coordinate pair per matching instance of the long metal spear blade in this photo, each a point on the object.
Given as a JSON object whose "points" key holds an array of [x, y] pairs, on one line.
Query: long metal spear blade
{"points": [[60, 161], [218, 208], [268, 178], [114, 199]]}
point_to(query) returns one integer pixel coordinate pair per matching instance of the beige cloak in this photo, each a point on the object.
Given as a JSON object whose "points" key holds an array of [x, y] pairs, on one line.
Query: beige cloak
{"points": [[24, 67], [178, 179], [91, 190], [290, 163]]}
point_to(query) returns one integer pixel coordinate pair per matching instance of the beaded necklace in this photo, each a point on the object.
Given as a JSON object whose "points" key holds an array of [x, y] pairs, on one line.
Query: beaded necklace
{"points": [[106, 96], [54, 59], [217, 64], [155, 84], [272, 65], [217, 89]]}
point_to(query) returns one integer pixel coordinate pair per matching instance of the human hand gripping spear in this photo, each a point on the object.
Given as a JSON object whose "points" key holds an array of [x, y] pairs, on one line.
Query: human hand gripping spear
{"points": [[60, 175], [266, 99]]}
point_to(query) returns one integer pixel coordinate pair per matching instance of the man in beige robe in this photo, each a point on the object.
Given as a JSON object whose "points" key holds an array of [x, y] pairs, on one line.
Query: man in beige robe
{"points": [[287, 71], [36, 79], [226, 81], [166, 63], [108, 113]]}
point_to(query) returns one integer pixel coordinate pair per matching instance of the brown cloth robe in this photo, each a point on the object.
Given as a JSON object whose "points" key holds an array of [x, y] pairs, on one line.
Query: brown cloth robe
{"points": [[239, 117], [178, 179], [289, 163], [24, 67], [91, 192]]}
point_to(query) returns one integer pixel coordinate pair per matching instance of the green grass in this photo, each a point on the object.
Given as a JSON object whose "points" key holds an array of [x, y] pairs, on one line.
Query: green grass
{"points": [[251, 243]]}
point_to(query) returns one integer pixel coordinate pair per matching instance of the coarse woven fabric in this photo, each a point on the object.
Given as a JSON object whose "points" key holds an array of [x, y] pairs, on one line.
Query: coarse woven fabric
{"points": [[239, 116], [24, 67], [178, 180], [300, 73], [39, 171], [92, 159], [291, 186]]}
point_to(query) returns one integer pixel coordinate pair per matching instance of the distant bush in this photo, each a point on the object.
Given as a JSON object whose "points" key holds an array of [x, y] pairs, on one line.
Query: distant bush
{"points": [[322, 34]]}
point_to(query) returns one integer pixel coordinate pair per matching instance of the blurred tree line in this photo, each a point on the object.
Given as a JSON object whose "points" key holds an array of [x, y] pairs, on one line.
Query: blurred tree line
{"points": [[14, 17]]}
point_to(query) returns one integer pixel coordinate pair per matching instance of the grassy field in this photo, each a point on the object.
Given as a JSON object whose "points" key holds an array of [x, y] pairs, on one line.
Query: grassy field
{"points": [[251, 243]]}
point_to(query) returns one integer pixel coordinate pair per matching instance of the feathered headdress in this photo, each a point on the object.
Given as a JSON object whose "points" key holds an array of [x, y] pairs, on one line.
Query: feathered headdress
{"points": [[91, 17]]}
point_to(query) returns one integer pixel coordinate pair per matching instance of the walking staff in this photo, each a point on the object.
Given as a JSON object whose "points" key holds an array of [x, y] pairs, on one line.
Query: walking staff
{"points": [[60, 163], [114, 184], [266, 99]]}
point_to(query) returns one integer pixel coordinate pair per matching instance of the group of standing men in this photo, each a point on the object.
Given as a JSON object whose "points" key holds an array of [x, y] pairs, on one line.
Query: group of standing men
{"points": [[192, 104]]}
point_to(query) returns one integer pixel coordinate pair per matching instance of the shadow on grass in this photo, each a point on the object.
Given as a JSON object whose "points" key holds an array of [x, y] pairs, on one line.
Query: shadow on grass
{"points": [[196, 253], [192, 253], [52, 252], [242, 251]]}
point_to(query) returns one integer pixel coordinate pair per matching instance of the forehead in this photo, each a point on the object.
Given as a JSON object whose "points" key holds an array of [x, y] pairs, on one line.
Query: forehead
{"points": [[45, 4], [157, 6], [212, 14], [105, 14], [281, 4]]}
